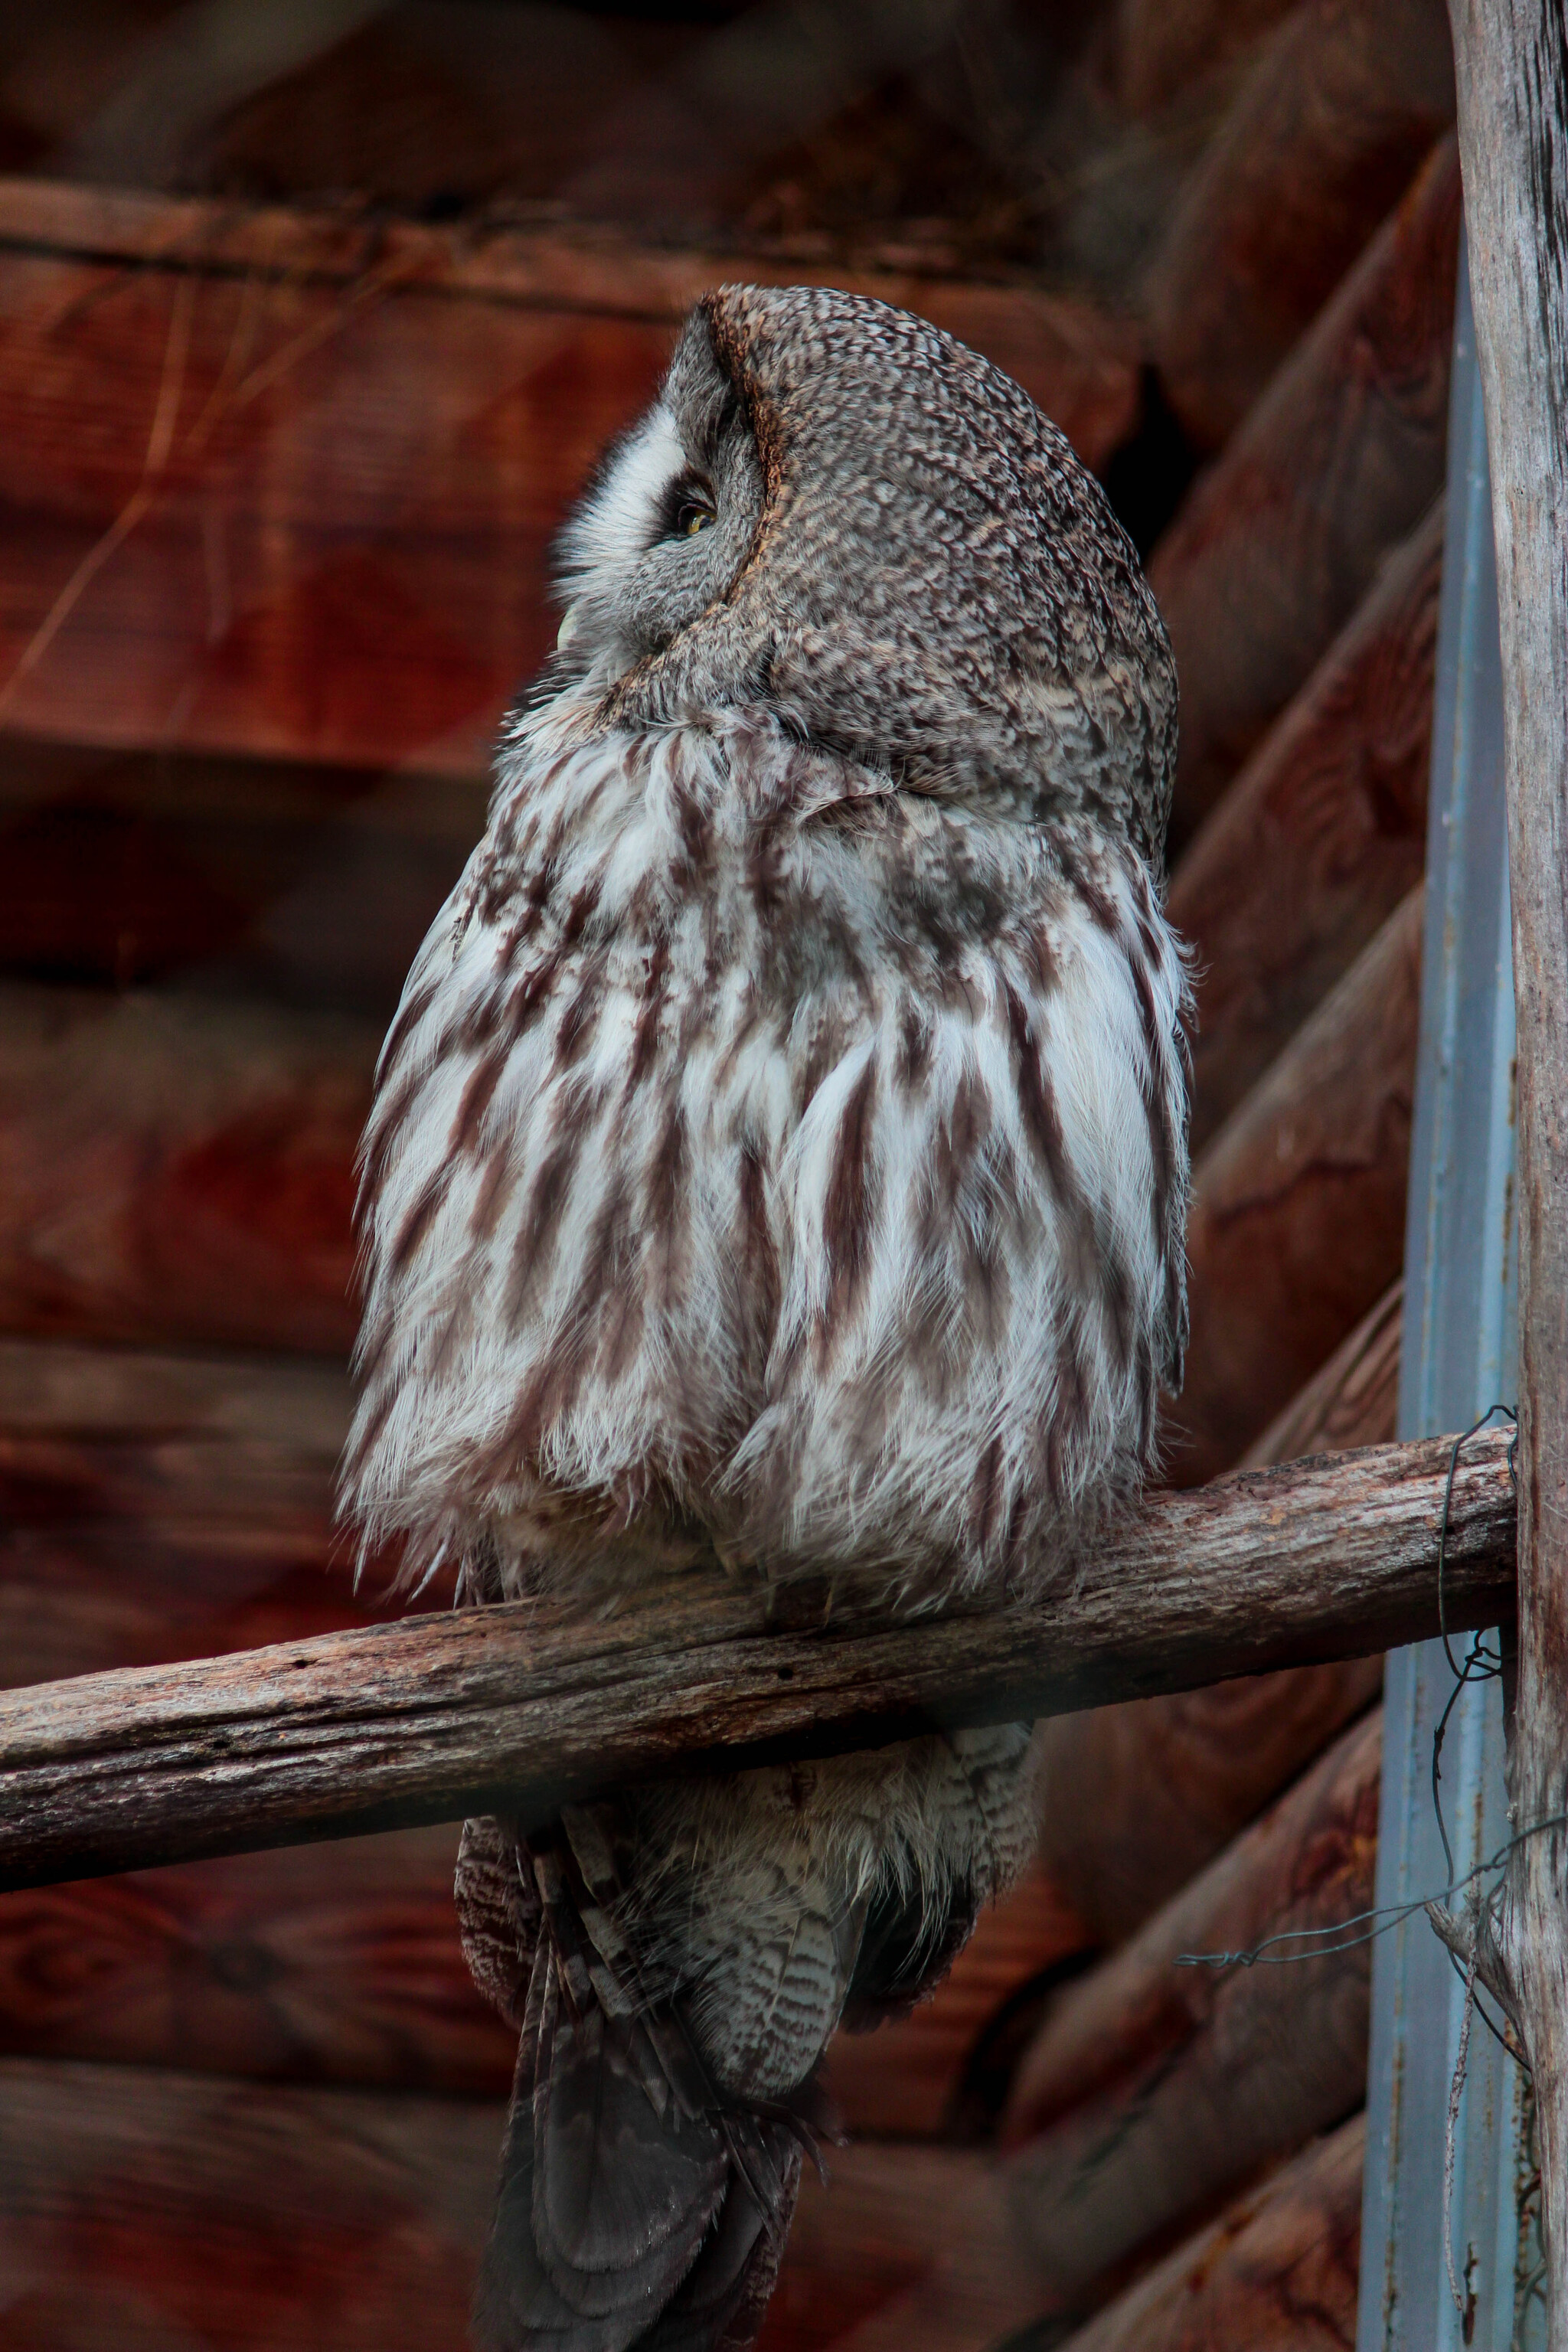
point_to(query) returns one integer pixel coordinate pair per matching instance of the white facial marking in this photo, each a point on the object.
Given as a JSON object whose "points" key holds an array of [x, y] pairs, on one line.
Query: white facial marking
{"points": [[621, 520]]}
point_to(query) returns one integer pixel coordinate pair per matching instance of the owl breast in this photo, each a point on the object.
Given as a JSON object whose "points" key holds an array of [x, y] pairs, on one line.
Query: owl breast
{"points": [[766, 1159]]}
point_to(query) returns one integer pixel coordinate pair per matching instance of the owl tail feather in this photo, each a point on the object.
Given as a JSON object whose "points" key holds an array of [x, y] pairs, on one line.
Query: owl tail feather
{"points": [[635, 2209]]}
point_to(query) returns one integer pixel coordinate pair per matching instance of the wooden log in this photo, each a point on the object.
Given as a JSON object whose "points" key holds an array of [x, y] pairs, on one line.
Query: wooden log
{"points": [[1145, 1795], [320, 1964], [1280, 540], [1512, 74], [342, 1964], [152, 2210], [280, 877], [1164, 50], [1298, 1220], [905, 2245], [156, 1505], [177, 1168], [1135, 1799], [439, 1716], [1332, 118], [1276, 2272], [1353, 1400], [1317, 839], [283, 484], [158, 2208], [1152, 2089], [206, 1440], [88, 1599]]}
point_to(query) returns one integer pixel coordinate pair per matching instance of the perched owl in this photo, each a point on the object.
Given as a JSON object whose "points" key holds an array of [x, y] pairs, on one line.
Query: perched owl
{"points": [[778, 1160]]}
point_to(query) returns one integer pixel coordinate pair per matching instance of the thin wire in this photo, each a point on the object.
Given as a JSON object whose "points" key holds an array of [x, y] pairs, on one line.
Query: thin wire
{"points": [[1482, 1665], [1389, 1915]]}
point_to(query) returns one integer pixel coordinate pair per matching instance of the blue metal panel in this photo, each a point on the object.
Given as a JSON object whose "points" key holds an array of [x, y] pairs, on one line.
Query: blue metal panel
{"points": [[1458, 1357]]}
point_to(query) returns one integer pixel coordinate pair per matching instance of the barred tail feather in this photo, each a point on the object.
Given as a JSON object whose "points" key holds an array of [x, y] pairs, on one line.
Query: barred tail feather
{"points": [[633, 2209]]}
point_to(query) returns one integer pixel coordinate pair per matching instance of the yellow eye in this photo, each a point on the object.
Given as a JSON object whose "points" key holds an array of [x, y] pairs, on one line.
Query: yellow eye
{"points": [[691, 517]]}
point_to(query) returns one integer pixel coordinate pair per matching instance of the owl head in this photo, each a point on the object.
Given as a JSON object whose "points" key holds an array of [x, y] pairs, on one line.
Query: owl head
{"points": [[836, 512]]}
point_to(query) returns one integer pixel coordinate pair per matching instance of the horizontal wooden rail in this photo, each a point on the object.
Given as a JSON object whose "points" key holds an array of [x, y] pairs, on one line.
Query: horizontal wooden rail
{"points": [[437, 1715]]}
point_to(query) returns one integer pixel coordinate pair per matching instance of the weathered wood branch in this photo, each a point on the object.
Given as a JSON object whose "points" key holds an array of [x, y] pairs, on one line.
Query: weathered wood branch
{"points": [[1512, 63], [439, 1716], [1336, 463]]}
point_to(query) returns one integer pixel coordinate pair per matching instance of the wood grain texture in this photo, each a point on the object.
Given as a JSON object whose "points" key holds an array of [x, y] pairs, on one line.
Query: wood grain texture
{"points": [[1317, 839], [1332, 118], [1135, 1799], [1353, 1400], [158, 1505], [249, 2217], [178, 1169], [1298, 1220], [1281, 538], [342, 1964], [307, 882], [442, 1716], [318, 1964], [1153, 2089], [906, 2246], [284, 485], [1276, 2272], [1161, 50], [1513, 68], [143, 2212]]}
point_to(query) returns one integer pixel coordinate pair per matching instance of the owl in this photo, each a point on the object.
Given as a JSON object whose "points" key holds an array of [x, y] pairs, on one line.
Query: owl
{"points": [[778, 1164]]}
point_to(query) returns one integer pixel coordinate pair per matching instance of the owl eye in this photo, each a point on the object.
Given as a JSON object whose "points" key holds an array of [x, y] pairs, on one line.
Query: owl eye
{"points": [[692, 510]]}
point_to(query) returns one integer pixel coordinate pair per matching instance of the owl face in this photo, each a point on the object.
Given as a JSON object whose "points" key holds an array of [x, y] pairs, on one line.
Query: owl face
{"points": [[836, 515], [665, 527]]}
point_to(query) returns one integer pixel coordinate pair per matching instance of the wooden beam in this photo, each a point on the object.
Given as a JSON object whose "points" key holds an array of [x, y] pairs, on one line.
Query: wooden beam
{"points": [[1276, 2272], [1337, 463], [1317, 839], [1152, 2090], [341, 1963], [157, 2208], [442, 1716], [320, 1964], [1333, 115], [164, 2208], [311, 884], [1511, 60], [178, 1169], [305, 567], [1298, 1220], [158, 1505], [1353, 1400]]}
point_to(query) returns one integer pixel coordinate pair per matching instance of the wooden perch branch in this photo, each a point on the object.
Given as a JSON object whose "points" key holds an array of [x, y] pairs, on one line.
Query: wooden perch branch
{"points": [[439, 1716]]}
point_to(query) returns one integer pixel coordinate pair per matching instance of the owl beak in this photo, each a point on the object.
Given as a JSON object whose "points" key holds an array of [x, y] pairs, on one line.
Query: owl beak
{"points": [[568, 629]]}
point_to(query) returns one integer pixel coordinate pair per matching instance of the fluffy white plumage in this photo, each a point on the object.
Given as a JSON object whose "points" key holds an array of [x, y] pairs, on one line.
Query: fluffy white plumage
{"points": [[861, 1335]]}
